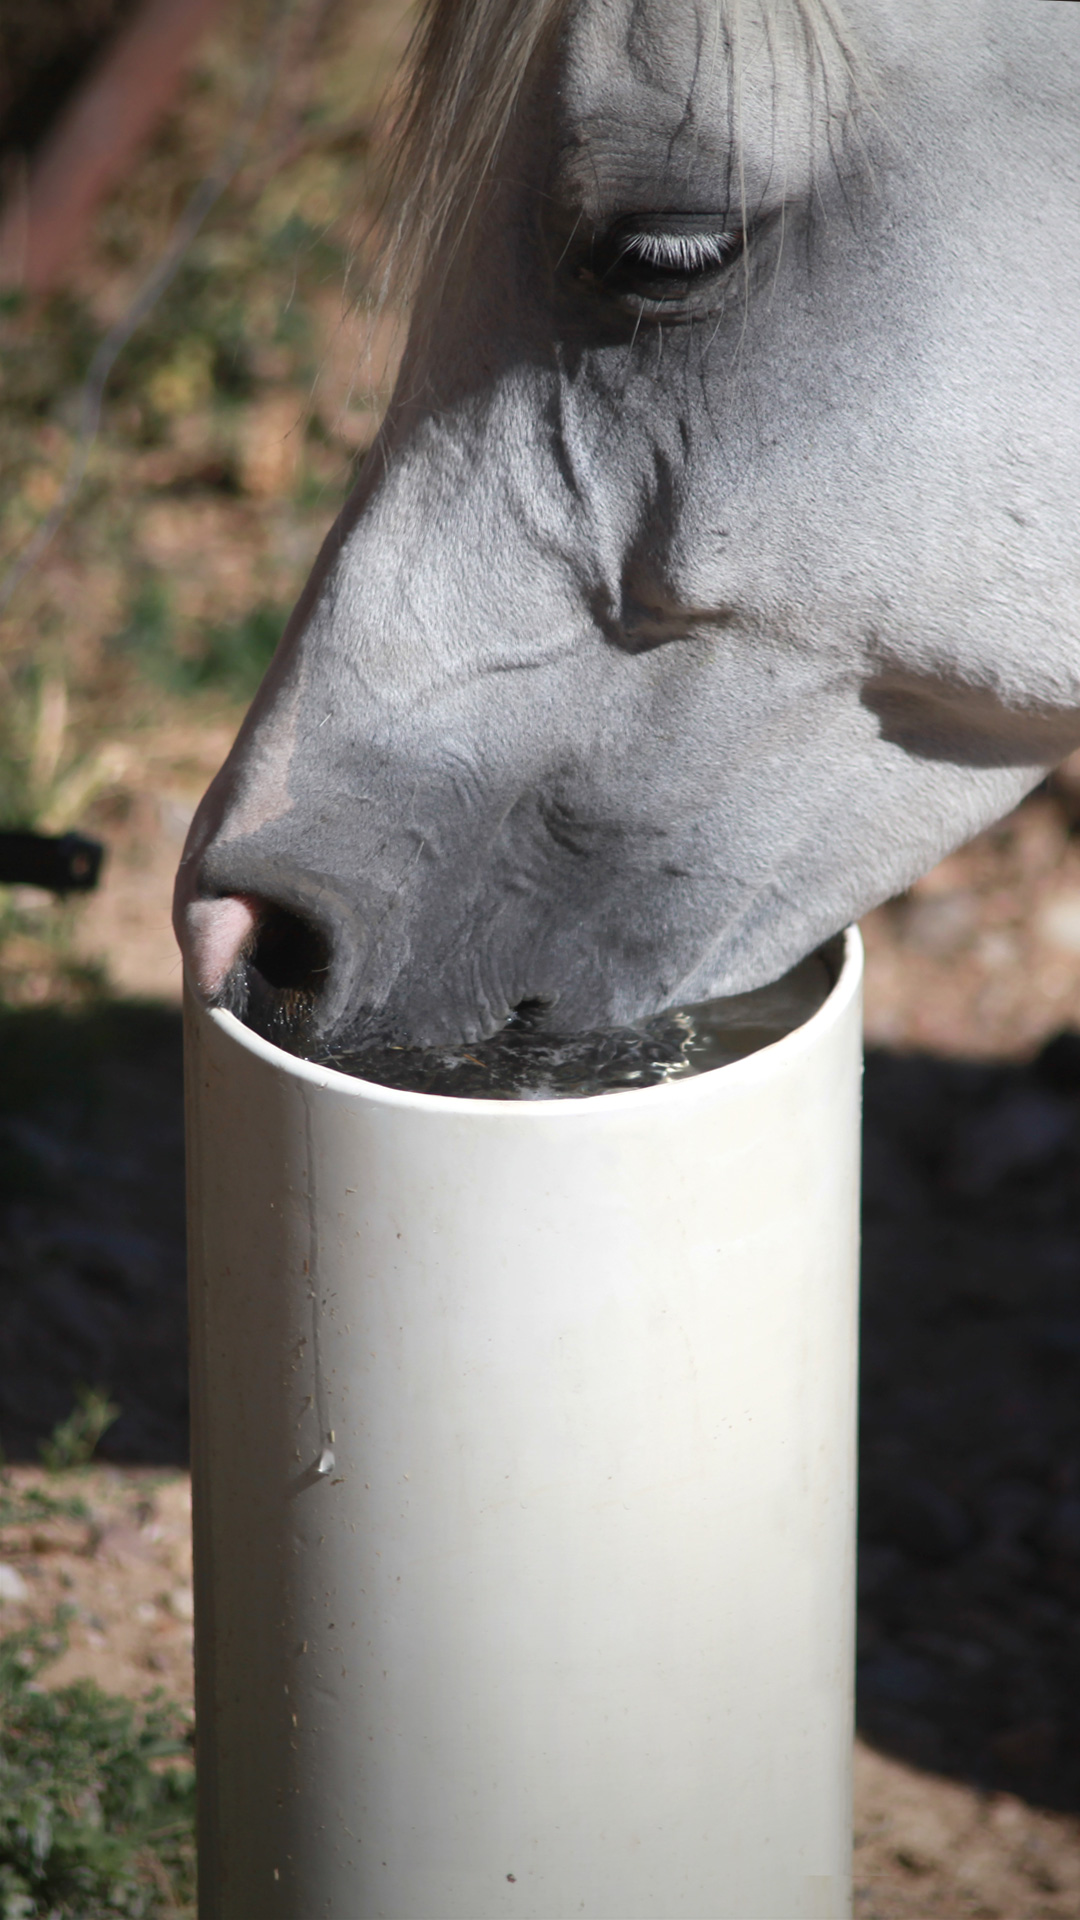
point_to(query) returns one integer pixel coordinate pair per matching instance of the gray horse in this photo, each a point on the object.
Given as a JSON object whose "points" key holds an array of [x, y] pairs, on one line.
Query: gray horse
{"points": [[718, 566]]}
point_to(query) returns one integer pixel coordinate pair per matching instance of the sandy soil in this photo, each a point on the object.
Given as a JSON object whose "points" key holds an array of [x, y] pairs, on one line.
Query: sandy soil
{"points": [[930, 1849], [125, 1573]]}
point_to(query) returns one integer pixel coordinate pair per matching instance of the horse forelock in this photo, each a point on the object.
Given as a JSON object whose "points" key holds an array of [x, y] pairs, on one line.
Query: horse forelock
{"points": [[465, 71]]}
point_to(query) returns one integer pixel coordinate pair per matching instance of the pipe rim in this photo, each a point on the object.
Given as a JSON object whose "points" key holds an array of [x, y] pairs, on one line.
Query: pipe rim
{"points": [[738, 1075]]}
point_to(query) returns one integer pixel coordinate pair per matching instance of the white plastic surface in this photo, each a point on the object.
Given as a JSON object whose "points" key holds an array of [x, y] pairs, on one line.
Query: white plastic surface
{"points": [[524, 1457]]}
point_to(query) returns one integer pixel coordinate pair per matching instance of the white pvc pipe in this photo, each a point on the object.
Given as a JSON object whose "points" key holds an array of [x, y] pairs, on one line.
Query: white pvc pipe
{"points": [[524, 1475]]}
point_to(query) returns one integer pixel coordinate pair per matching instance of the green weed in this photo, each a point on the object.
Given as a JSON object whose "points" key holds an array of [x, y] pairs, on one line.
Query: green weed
{"points": [[33, 1506], [229, 659], [92, 1825], [235, 657], [73, 1441], [33, 742]]}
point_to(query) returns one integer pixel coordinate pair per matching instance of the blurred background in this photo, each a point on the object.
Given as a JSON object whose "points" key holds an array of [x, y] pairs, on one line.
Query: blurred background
{"points": [[168, 469], [230, 426]]}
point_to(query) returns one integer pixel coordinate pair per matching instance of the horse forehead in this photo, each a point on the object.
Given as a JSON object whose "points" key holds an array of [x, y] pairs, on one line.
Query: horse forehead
{"points": [[651, 93], [645, 65], [655, 45], [678, 63]]}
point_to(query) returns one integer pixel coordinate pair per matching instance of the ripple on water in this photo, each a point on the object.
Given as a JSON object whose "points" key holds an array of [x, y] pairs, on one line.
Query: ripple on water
{"points": [[526, 1061]]}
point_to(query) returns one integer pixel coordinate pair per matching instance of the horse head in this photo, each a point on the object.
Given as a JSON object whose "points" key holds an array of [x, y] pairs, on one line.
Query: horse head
{"points": [[715, 570]]}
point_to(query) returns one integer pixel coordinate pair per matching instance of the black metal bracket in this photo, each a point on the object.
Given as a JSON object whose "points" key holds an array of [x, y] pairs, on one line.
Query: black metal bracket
{"points": [[61, 863]]}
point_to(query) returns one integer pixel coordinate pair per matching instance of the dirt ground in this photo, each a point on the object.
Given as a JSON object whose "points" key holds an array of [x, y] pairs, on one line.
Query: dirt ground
{"points": [[125, 1571]]}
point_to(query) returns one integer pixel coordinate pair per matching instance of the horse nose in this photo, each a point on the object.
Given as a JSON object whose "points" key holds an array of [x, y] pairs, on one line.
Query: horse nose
{"points": [[217, 935], [241, 947]]}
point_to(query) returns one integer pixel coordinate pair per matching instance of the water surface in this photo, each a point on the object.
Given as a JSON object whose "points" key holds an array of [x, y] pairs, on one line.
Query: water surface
{"points": [[527, 1061]]}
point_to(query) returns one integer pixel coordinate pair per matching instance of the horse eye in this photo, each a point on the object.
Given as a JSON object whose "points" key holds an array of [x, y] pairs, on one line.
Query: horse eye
{"points": [[662, 261]]}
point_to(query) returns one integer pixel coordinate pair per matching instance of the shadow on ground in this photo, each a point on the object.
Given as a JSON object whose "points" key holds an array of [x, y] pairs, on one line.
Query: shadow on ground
{"points": [[970, 1513], [970, 1562], [92, 1284]]}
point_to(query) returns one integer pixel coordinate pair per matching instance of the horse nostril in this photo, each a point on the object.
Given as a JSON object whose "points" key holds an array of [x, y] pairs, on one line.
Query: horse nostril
{"points": [[257, 959], [529, 1014], [290, 954]]}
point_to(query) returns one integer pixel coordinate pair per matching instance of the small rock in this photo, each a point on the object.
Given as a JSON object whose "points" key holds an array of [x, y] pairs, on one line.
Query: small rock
{"points": [[181, 1603], [12, 1585], [1008, 1816], [923, 1840], [1058, 921]]}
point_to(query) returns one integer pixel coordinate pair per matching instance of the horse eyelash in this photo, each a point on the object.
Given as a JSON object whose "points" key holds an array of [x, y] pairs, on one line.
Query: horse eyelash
{"points": [[684, 252]]}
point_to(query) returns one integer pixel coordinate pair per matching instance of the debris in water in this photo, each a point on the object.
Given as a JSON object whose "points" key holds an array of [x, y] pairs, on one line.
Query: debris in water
{"points": [[526, 1061]]}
